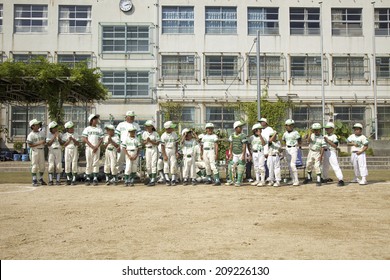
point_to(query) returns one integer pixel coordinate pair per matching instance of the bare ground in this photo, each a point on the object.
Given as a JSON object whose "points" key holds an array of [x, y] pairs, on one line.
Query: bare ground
{"points": [[201, 222]]}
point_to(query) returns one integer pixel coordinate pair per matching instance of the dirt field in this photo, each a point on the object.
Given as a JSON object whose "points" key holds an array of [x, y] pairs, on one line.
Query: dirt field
{"points": [[200, 222]]}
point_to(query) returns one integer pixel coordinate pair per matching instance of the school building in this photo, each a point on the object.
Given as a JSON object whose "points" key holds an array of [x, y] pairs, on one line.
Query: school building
{"points": [[202, 54]]}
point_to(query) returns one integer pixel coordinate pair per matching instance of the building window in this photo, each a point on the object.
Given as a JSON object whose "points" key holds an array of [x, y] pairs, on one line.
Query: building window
{"points": [[27, 57], [221, 67], [72, 59], [125, 39], [221, 117], [1, 18], [384, 122], [305, 21], [350, 115], [178, 67], [350, 69], [31, 18], [347, 22], [264, 19], [78, 115], [178, 20], [382, 22], [304, 117], [19, 126], [75, 19], [127, 84], [306, 68], [185, 115], [383, 68], [221, 20], [271, 68]]}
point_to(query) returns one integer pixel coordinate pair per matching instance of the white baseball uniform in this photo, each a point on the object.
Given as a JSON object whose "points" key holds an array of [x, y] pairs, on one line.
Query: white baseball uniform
{"points": [[291, 138], [37, 154], [111, 155], [93, 134], [132, 145], [258, 157], [55, 154], [313, 158], [358, 161], [208, 143], [169, 141], [71, 153], [330, 158], [189, 158], [273, 161], [151, 152], [122, 130]]}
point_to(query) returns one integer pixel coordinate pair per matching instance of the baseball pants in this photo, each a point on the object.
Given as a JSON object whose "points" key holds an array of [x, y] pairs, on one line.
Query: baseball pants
{"points": [[209, 161], [189, 167], [92, 160], [170, 165], [120, 161], [258, 165], [291, 156], [110, 162], [273, 163], [37, 157], [359, 164], [151, 158], [55, 161], [71, 160], [313, 160], [330, 158], [131, 165]]}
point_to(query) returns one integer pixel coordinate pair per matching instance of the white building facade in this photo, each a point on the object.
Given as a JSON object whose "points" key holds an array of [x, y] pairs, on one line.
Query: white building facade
{"points": [[202, 54]]}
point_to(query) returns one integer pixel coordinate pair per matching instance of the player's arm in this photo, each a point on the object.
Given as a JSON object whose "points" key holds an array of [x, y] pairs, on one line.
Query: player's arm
{"points": [[330, 142], [86, 141], [51, 141], [216, 149], [67, 142]]}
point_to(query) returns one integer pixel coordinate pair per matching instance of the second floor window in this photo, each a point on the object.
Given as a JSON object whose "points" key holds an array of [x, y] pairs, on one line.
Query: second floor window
{"points": [[347, 22], [127, 84], [72, 59], [383, 68], [125, 39], [221, 20], [31, 18], [382, 22], [178, 20], [304, 21], [349, 69], [221, 66], [264, 19], [75, 19], [178, 67], [306, 67], [1, 18]]}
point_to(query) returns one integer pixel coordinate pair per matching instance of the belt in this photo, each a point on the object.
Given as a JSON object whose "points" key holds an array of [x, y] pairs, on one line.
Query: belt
{"points": [[314, 150], [149, 147], [291, 146], [55, 148], [189, 156], [168, 147], [354, 152], [39, 148], [131, 150], [208, 149], [325, 150], [256, 151], [110, 149], [274, 155]]}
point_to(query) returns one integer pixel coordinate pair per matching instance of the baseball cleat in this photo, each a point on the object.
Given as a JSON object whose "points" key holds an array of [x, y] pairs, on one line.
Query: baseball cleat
{"points": [[193, 182], [217, 183], [229, 183], [58, 183], [277, 184], [254, 183], [260, 184], [108, 183], [51, 183], [73, 183], [318, 184], [35, 183], [307, 181], [95, 182], [340, 183], [43, 183], [295, 184], [87, 182], [173, 183]]}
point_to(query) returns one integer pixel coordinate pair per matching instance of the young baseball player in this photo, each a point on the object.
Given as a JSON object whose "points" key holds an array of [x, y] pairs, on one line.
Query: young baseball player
{"points": [[257, 144], [111, 143], [273, 160], [71, 153], [189, 147], [54, 141], [36, 140], [292, 139], [316, 153], [209, 154], [359, 144], [169, 150], [151, 140], [237, 149], [132, 147], [330, 156], [92, 137]]}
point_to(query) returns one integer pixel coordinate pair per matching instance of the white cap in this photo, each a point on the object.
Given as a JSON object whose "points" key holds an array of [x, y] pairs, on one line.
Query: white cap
{"points": [[272, 133], [69, 124], [263, 120], [53, 124], [185, 131], [237, 124], [91, 116], [209, 125], [109, 126], [289, 122], [132, 128], [149, 123], [358, 125], [200, 136], [329, 125], [316, 126], [130, 114], [169, 124], [256, 126], [34, 121]]}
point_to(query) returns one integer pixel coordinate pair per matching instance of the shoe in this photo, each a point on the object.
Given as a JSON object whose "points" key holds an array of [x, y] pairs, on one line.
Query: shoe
{"points": [[329, 180], [116, 183], [87, 182], [193, 182], [127, 184], [43, 183], [58, 183], [208, 182], [340, 183], [277, 184], [237, 184], [229, 183], [35, 183], [295, 184], [108, 183], [173, 183], [73, 183], [290, 182], [168, 183], [318, 184], [151, 184], [306, 181], [160, 181], [146, 181], [355, 180], [255, 183], [217, 183], [95, 182], [131, 184], [260, 184], [270, 183], [185, 182], [68, 182], [363, 182], [51, 183], [250, 180]]}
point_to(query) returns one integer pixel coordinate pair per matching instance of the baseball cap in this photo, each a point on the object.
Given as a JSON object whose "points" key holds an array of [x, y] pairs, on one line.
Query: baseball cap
{"points": [[316, 126], [358, 125], [263, 120], [69, 124], [169, 124], [109, 126], [132, 128], [34, 121], [256, 126], [130, 114], [200, 136], [185, 131], [272, 133], [289, 122], [237, 124], [149, 123], [329, 125], [53, 124], [209, 125], [92, 116]]}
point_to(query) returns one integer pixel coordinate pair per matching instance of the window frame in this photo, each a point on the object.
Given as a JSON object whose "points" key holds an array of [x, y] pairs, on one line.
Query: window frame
{"points": [[218, 65], [306, 30], [22, 27], [88, 20], [309, 115], [347, 71], [309, 62], [341, 27], [34, 112], [223, 122], [88, 60], [377, 19], [1, 17], [379, 65], [179, 21], [219, 18], [266, 12], [175, 73], [269, 63]]}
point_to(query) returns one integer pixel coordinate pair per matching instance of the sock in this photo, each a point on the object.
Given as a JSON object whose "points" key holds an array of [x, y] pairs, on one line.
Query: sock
{"points": [[41, 175], [216, 177], [319, 178], [309, 175], [107, 177], [153, 177], [209, 177], [115, 178], [74, 177], [199, 173], [50, 177], [161, 174], [58, 177], [173, 177], [95, 176], [34, 176], [166, 177], [132, 176], [126, 178], [88, 177], [68, 176]]}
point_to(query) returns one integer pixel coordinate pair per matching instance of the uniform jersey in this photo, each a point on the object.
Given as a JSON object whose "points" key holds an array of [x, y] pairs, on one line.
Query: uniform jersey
{"points": [[93, 134], [169, 140], [265, 132], [273, 148], [122, 129], [291, 138], [189, 147], [56, 143], [317, 142], [152, 136], [333, 138], [65, 137], [131, 144], [256, 144], [110, 146], [208, 141], [34, 137], [238, 141], [361, 141]]}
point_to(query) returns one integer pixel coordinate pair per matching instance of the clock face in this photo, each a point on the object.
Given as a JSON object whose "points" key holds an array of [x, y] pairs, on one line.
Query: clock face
{"points": [[125, 5]]}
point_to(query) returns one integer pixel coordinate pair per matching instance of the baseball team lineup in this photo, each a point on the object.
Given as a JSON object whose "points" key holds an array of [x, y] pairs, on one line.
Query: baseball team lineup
{"points": [[187, 155]]}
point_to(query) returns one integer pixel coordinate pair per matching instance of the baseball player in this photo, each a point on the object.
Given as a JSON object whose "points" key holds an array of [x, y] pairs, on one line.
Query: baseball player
{"points": [[330, 156], [238, 142], [151, 140], [36, 140], [71, 153], [209, 154], [273, 160], [54, 141], [132, 147], [111, 143], [160, 166], [257, 144], [169, 150], [189, 148], [292, 139], [316, 153], [122, 130], [359, 144], [92, 137]]}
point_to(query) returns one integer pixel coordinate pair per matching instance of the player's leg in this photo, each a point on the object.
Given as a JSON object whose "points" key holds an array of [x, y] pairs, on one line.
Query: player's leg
{"points": [[294, 155], [363, 168], [58, 165], [277, 171], [256, 168], [95, 166], [261, 169], [355, 164], [326, 164], [173, 166], [310, 162], [271, 170]]}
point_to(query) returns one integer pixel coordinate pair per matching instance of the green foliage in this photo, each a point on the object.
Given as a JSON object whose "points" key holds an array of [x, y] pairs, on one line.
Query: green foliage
{"points": [[172, 111], [342, 131], [343, 154], [370, 152], [18, 146]]}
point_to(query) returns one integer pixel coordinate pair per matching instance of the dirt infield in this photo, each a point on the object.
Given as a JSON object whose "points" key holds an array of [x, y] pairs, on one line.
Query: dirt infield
{"points": [[200, 222]]}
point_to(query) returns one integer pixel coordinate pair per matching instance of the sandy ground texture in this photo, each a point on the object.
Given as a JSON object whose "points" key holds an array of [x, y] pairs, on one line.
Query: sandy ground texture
{"points": [[195, 222]]}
